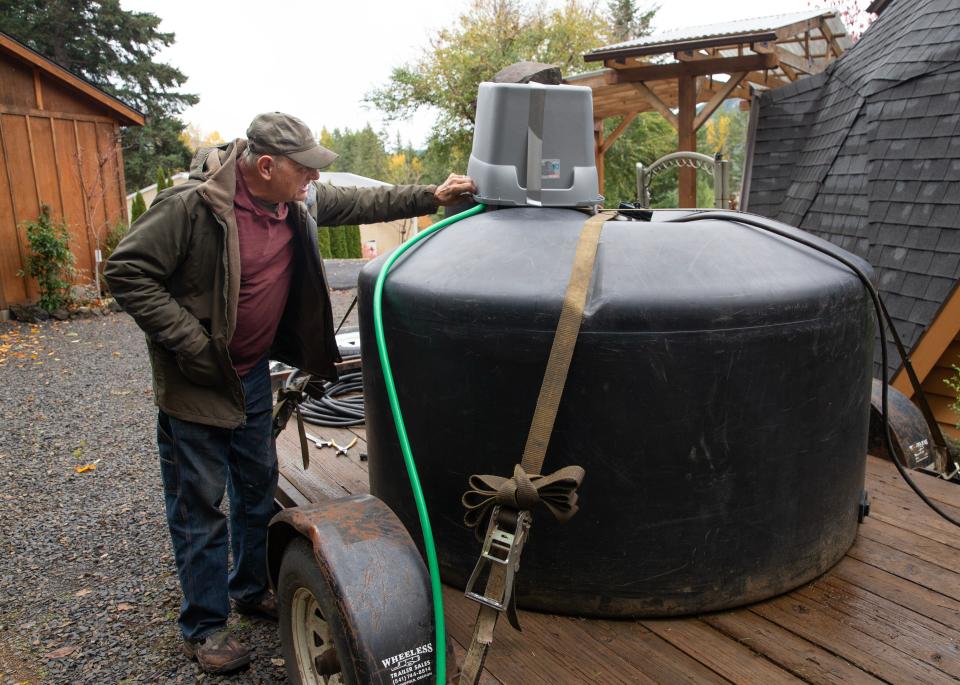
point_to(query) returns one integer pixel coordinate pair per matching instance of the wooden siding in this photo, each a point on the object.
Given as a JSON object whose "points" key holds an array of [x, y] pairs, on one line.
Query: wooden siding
{"points": [[939, 394], [58, 147]]}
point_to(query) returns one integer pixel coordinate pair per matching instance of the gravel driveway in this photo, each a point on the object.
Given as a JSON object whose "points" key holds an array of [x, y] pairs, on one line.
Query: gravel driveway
{"points": [[89, 590]]}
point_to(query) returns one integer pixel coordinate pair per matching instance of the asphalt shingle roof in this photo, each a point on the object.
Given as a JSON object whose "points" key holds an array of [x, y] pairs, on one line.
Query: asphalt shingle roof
{"points": [[867, 155]]}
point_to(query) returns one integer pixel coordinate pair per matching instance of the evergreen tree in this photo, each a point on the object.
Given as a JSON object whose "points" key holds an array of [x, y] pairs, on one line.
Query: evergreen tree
{"points": [[354, 245], [161, 179], [338, 242], [323, 238], [361, 152], [113, 49], [628, 21], [138, 207]]}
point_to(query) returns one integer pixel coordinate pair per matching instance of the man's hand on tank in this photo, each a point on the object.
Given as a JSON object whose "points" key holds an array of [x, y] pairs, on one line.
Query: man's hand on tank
{"points": [[451, 191]]}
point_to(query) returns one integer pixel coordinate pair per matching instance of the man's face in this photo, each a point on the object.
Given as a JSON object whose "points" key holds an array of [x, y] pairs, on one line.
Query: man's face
{"points": [[289, 180]]}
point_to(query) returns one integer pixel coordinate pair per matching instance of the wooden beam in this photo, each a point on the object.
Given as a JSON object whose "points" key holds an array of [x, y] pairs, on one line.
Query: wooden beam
{"points": [[932, 344], [687, 138], [717, 100], [69, 116], [37, 90], [789, 71], [766, 79], [791, 30], [830, 38], [690, 55], [721, 65], [611, 139], [597, 146], [657, 103], [674, 46], [21, 248], [798, 63], [604, 78], [623, 63], [33, 163]]}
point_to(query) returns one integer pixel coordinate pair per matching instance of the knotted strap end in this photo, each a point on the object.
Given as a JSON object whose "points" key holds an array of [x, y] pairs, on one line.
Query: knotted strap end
{"points": [[556, 491]]}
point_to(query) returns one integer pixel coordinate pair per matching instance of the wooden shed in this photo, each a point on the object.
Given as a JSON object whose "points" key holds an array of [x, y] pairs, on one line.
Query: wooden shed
{"points": [[60, 146]]}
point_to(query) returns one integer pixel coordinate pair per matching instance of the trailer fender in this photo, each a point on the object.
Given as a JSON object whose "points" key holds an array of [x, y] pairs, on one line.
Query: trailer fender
{"points": [[909, 432], [378, 582]]}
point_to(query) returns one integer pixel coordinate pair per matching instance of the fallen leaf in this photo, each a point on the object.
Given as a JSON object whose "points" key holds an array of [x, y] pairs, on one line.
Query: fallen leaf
{"points": [[277, 662], [60, 653], [116, 354], [124, 606], [83, 593], [92, 466]]}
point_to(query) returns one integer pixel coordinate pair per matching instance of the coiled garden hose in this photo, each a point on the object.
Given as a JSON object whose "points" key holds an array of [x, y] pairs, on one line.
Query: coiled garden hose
{"points": [[440, 648], [334, 410]]}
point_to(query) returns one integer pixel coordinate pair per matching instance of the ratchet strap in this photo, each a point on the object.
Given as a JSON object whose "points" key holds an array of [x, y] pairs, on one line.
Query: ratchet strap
{"points": [[504, 504]]}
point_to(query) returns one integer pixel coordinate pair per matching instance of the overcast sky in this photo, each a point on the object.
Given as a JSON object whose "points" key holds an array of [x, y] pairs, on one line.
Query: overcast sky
{"points": [[316, 60]]}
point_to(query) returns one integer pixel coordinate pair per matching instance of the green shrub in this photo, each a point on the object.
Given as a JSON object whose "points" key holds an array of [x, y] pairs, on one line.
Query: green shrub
{"points": [[323, 238], [114, 236], [138, 207], [50, 260], [354, 246], [338, 242], [164, 180]]}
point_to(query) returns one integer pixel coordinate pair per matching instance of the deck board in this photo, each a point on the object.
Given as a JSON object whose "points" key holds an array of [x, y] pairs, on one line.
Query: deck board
{"points": [[888, 612]]}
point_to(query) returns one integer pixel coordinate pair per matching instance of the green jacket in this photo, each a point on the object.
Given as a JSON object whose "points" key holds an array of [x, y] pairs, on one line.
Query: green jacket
{"points": [[177, 273]]}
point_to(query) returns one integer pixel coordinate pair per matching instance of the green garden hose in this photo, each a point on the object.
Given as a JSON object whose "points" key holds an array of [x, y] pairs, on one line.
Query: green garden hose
{"points": [[440, 648]]}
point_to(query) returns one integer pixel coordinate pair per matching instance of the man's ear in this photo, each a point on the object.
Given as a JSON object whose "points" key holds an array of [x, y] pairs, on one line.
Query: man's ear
{"points": [[266, 166]]}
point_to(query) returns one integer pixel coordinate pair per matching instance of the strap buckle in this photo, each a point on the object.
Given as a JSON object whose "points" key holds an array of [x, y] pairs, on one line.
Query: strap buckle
{"points": [[503, 543]]}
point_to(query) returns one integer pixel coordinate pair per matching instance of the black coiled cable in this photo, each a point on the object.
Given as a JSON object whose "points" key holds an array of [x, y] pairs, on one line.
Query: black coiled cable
{"points": [[334, 409]]}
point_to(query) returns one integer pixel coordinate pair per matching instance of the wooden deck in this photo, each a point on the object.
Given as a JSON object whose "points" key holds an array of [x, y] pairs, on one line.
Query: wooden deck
{"points": [[889, 612]]}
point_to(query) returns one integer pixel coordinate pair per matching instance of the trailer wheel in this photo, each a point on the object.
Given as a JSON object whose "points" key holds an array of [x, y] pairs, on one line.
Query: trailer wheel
{"points": [[312, 637]]}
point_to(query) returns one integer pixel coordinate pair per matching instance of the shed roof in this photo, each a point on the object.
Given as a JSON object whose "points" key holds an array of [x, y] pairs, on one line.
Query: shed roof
{"points": [[125, 114]]}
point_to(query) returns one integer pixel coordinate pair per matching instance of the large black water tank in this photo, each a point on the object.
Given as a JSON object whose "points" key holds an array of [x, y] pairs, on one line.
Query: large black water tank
{"points": [[718, 398]]}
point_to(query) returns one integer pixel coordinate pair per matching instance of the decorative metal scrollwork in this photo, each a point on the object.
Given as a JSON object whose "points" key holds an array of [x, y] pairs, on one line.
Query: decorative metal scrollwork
{"points": [[717, 167]]}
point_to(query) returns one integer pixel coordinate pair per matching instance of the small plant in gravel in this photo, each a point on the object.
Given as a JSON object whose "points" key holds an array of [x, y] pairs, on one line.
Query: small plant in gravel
{"points": [[50, 260]]}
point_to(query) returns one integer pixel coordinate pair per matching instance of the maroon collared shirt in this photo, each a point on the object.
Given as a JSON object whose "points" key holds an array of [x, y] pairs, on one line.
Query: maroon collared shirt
{"points": [[266, 267]]}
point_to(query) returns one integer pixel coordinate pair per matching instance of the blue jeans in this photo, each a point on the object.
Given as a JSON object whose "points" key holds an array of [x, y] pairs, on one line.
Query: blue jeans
{"points": [[196, 462]]}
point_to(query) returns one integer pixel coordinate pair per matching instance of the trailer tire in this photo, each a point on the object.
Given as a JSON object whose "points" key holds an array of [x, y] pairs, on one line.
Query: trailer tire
{"points": [[312, 634]]}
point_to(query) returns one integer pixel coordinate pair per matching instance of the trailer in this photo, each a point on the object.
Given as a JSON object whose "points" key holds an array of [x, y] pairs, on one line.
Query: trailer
{"points": [[888, 612]]}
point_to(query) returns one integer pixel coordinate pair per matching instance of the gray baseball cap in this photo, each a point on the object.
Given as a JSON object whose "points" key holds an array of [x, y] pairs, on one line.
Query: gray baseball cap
{"points": [[276, 133]]}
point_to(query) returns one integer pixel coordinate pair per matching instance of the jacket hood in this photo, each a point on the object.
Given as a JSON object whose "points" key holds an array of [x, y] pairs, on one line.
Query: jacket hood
{"points": [[216, 169]]}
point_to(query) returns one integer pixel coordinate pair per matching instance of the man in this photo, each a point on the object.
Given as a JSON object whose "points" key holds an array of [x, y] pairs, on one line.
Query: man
{"points": [[223, 273]]}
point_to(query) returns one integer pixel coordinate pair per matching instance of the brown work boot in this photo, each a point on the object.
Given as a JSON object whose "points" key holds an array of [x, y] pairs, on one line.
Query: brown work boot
{"points": [[219, 652], [265, 607]]}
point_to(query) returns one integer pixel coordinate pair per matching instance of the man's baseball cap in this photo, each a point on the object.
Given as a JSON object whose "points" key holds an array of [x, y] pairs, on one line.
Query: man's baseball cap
{"points": [[276, 133]]}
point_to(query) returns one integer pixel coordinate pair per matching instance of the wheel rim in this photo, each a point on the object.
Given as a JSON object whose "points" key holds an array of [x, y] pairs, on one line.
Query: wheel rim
{"points": [[312, 642]]}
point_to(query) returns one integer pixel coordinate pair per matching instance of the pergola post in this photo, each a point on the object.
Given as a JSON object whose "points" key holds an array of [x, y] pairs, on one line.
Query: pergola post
{"points": [[599, 152], [687, 137]]}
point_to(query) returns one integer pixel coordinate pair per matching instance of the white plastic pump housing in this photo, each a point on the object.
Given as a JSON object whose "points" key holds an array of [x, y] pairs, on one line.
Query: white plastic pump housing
{"points": [[533, 146]]}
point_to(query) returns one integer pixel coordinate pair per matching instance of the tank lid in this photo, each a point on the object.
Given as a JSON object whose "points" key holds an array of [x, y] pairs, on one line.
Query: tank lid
{"points": [[533, 146]]}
